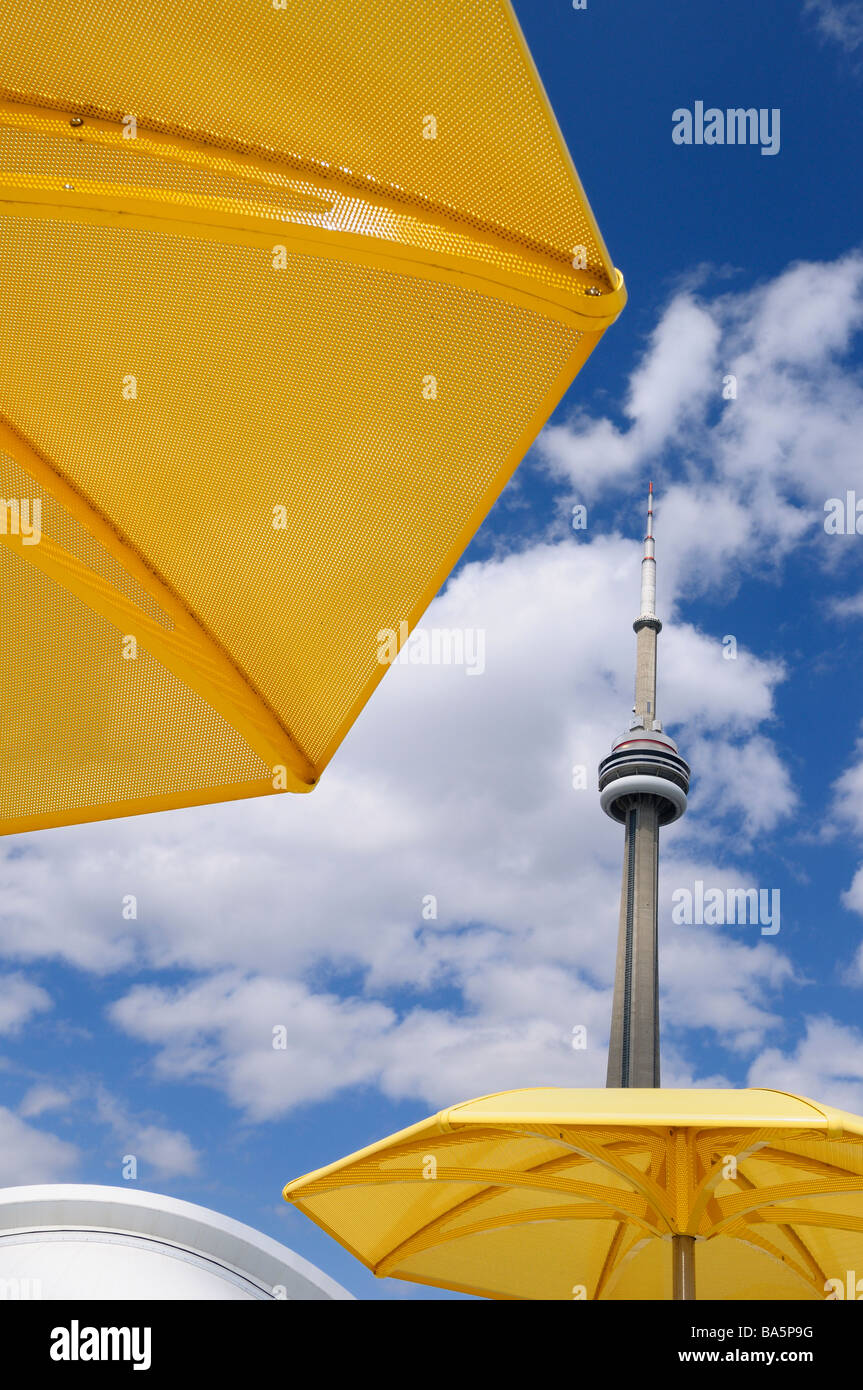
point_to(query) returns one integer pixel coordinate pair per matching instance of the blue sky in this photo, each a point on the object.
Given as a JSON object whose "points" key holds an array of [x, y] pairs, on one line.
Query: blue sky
{"points": [[146, 1038]]}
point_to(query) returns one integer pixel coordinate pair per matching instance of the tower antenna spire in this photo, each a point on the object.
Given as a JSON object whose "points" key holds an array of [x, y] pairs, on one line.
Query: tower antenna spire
{"points": [[648, 564], [643, 784]]}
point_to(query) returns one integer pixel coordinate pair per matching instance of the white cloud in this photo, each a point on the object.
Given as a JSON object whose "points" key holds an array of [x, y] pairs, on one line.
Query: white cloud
{"points": [[167, 1152], [826, 1065], [840, 20], [761, 466], [748, 779], [29, 1155], [852, 898], [517, 1028], [221, 1031], [851, 607], [667, 390], [736, 1005], [848, 795], [20, 1000], [847, 813], [42, 1098]]}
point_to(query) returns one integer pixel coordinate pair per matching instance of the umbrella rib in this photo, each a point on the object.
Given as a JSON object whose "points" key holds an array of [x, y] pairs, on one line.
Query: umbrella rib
{"points": [[478, 1198], [792, 1159], [801, 1216], [128, 556], [369, 1170], [658, 1165], [641, 1182], [761, 1243], [159, 212], [429, 1238], [787, 1229], [547, 1166], [705, 1189], [369, 1175], [741, 1203], [650, 1193], [177, 143], [800, 1245], [610, 1260]]}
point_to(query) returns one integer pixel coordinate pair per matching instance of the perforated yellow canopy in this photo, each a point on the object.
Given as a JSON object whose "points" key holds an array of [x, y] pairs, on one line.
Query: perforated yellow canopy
{"points": [[287, 291], [562, 1194]]}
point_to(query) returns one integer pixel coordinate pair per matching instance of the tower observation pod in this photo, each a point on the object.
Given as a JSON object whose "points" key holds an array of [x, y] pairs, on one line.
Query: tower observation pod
{"points": [[643, 784]]}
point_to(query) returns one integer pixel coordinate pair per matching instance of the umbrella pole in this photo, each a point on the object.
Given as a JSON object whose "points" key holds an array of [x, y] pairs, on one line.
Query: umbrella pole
{"points": [[683, 1255]]}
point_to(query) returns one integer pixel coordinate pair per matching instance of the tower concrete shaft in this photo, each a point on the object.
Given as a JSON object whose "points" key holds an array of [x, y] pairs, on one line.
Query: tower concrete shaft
{"points": [[633, 1053], [644, 785]]}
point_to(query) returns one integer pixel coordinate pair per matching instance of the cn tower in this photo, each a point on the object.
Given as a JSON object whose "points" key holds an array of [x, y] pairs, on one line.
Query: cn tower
{"points": [[643, 784]]}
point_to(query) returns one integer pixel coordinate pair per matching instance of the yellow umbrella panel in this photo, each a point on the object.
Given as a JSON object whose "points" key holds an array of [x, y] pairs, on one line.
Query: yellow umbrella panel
{"points": [[287, 293], [617, 1194]]}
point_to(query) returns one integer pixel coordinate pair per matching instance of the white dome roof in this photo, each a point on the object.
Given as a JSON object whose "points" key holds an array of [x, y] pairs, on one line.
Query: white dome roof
{"points": [[69, 1241]]}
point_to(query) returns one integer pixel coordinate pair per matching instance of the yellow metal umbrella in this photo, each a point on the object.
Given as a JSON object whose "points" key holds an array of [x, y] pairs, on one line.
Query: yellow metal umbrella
{"points": [[615, 1194], [288, 289]]}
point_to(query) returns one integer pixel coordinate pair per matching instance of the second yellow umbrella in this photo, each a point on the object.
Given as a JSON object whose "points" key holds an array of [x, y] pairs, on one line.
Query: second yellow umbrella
{"points": [[607, 1194]]}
